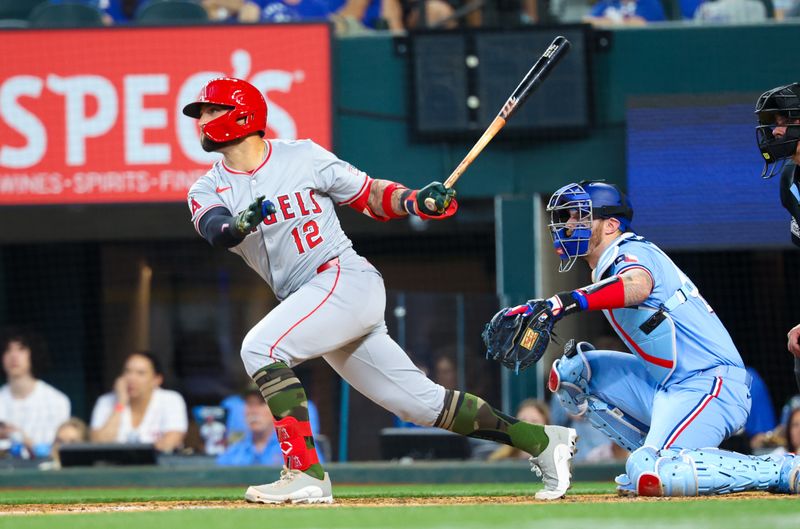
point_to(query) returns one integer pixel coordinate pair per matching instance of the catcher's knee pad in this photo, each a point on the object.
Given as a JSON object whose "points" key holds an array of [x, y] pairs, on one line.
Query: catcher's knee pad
{"points": [[569, 378]]}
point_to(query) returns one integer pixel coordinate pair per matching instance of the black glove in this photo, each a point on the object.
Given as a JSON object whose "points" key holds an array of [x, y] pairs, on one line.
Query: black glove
{"points": [[520, 338], [248, 220]]}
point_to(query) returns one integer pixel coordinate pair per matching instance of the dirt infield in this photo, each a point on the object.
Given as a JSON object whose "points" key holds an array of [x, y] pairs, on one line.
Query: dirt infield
{"points": [[55, 508]]}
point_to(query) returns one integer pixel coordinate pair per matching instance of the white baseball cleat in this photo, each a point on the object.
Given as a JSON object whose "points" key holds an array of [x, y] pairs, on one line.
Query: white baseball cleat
{"points": [[294, 486], [554, 464]]}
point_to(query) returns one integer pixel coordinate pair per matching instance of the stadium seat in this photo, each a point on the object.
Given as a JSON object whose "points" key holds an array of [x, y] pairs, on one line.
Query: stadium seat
{"points": [[17, 9], [672, 9], [13, 23], [170, 12], [66, 16]]}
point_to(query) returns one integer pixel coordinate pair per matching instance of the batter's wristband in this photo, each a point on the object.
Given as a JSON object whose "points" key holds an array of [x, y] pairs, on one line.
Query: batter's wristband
{"points": [[386, 200], [409, 202]]}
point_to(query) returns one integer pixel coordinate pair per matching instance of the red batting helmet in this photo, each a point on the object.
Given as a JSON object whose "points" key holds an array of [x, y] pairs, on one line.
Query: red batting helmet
{"points": [[243, 99]]}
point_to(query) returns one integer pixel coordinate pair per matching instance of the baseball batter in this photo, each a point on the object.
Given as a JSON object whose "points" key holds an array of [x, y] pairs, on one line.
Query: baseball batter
{"points": [[778, 136], [332, 300], [683, 389]]}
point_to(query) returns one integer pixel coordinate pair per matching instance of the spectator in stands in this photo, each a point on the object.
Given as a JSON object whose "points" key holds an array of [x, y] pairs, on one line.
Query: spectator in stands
{"points": [[260, 445], [138, 410], [402, 15], [245, 11], [792, 404], [786, 9], [236, 422], [785, 438], [606, 453], [529, 410], [529, 12], [776, 438], [444, 372], [626, 13], [762, 413], [73, 431], [30, 409], [731, 12], [792, 429]]}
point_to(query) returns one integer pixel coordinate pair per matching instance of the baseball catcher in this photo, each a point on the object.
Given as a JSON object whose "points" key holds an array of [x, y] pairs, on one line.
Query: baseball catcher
{"points": [[684, 388]]}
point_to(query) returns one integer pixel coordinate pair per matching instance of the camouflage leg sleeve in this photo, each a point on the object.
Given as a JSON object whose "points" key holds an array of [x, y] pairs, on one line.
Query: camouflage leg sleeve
{"points": [[466, 414], [285, 396]]}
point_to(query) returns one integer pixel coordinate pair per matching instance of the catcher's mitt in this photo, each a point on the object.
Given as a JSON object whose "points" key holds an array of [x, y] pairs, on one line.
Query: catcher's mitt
{"points": [[519, 340]]}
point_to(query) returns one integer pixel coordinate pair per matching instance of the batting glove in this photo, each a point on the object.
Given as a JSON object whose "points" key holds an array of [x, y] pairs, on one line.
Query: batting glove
{"points": [[248, 220], [444, 201]]}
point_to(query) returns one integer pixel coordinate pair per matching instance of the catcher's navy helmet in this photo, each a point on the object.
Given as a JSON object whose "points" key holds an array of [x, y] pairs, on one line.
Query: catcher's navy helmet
{"points": [[572, 209], [781, 104]]}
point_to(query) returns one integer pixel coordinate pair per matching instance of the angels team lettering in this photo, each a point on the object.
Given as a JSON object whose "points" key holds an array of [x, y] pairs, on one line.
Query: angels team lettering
{"points": [[289, 206]]}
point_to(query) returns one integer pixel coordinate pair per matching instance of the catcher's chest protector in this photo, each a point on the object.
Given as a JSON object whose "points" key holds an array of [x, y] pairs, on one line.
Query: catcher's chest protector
{"points": [[651, 333]]}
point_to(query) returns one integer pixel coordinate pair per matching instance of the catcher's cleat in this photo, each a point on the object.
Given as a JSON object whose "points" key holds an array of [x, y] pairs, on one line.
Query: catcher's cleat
{"points": [[554, 464], [789, 482], [293, 486], [625, 486]]}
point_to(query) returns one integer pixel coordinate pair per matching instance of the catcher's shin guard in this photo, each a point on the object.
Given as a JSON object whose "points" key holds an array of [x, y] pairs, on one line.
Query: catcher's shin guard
{"points": [[292, 438], [569, 380], [705, 472]]}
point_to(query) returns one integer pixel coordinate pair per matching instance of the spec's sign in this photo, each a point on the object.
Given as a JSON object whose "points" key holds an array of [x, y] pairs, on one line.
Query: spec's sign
{"points": [[95, 115]]}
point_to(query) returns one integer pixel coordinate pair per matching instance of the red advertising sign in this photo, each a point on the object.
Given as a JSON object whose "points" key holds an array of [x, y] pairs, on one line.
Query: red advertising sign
{"points": [[95, 115]]}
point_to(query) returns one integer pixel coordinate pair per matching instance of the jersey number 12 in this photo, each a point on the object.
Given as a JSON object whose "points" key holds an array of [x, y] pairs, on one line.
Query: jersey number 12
{"points": [[311, 234]]}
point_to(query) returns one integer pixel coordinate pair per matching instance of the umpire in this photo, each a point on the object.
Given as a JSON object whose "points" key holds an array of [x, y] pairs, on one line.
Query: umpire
{"points": [[777, 133]]}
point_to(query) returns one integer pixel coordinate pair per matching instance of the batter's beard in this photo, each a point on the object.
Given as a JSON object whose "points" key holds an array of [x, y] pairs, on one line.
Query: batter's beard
{"points": [[210, 145]]}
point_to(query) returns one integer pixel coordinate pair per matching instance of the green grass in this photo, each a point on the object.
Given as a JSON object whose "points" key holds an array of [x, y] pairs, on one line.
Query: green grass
{"points": [[664, 514], [27, 496]]}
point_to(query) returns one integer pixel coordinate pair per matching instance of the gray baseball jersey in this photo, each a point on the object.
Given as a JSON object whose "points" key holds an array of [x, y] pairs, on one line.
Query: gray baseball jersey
{"points": [[335, 312], [304, 181]]}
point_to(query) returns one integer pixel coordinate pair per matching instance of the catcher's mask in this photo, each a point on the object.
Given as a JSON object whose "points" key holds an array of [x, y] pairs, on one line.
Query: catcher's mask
{"points": [[572, 209], [244, 101], [781, 103]]}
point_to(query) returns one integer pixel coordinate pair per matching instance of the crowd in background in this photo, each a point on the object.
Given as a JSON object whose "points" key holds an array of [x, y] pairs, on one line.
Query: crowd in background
{"points": [[356, 17], [36, 421]]}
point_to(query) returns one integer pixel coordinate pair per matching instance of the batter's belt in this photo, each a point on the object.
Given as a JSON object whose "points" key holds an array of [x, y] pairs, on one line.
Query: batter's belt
{"points": [[328, 264]]}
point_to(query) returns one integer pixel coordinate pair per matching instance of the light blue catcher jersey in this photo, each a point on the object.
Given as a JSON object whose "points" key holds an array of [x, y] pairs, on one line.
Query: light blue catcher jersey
{"points": [[687, 336]]}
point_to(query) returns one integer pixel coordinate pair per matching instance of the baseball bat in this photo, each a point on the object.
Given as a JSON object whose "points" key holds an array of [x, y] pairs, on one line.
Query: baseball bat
{"points": [[535, 76]]}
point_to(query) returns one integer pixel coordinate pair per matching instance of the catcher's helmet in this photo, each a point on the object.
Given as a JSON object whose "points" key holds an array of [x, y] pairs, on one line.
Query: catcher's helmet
{"points": [[572, 209], [245, 102], [784, 102]]}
